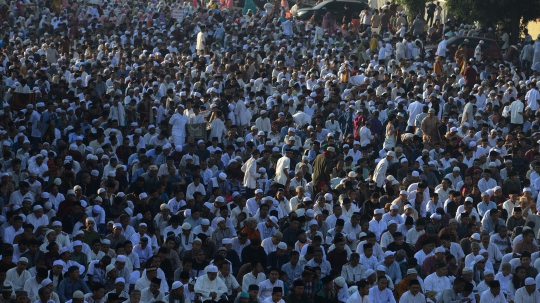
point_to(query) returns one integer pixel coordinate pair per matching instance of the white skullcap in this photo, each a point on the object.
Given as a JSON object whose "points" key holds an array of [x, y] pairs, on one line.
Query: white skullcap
{"points": [[176, 285]]}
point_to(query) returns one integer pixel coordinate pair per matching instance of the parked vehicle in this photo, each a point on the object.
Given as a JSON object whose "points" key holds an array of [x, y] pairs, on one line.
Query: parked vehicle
{"points": [[335, 7], [490, 47]]}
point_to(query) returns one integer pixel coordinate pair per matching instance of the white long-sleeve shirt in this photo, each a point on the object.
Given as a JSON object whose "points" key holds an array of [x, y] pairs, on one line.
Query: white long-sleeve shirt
{"points": [[17, 280], [10, 233], [384, 296], [240, 113], [353, 274], [205, 286], [532, 97], [266, 287], [250, 173], [149, 297], [377, 228], [263, 124], [523, 296], [356, 298], [250, 279], [365, 136], [488, 297], [380, 172], [407, 297], [37, 222], [441, 48], [484, 185], [436, 283]]}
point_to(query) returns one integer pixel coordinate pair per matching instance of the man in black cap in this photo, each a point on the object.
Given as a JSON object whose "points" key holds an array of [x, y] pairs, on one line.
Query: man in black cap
{"points": [[437, 281], [334, 232], [494, 294], [277, 294], [298, 295], [153, 293], [112, 298], [253, 291], [327, 294], [146, 279], [7, 292]]}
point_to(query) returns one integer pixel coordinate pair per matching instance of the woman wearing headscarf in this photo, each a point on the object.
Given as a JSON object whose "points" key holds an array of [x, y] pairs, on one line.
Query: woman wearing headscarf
{"points": [[249, 6], [328, 23], [461, 56]]}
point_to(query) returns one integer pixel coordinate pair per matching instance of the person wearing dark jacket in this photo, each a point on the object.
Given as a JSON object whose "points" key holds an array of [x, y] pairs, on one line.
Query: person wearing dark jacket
{"points": [[279, 257], [399, 244], [322, 168], [254, 252]]}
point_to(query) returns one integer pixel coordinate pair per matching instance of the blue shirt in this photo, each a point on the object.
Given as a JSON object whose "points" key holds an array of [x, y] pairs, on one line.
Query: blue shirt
{"points": [[152, 154], [393, 271], [132, 158], [137, 174], [483, 207], [66, 289], [292, 272]]}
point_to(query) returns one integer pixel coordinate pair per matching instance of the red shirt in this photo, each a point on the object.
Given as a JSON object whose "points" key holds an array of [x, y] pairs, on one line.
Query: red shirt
{"points": [[470, 76], [358, 122]]}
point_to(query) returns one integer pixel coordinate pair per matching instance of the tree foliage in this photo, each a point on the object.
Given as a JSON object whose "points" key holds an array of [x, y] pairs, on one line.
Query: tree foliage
{"points": [[414, 7], [492, 12], [489, 13]]}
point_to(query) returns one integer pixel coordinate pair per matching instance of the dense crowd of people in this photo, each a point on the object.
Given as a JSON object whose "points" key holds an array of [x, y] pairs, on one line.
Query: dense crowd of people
{"points": [[213, 151]]}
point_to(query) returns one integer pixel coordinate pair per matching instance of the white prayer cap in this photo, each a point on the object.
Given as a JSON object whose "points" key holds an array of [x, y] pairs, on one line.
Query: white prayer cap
{"points": [[177, 284]]}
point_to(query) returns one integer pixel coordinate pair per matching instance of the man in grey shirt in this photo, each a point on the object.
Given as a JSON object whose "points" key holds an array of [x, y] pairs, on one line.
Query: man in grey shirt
{"points": [[451, 295]]}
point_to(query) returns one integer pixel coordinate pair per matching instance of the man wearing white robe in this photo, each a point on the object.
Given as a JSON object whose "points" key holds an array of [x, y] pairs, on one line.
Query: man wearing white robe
{"points": [[18, 275], [254, 277], [361, 295], [146, 279], [380, 170], [240, 114], [209, 285], [414, 109], [250, 172], [152, 293], [529, 293], [413, 295], [494, 294], [283, 167], [380, 293], [177, 126], [441, 48], [263, 122], [438, 281], [532, 97]]}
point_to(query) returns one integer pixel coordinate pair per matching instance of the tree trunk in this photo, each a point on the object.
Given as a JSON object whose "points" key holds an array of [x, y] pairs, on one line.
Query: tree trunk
{"points": [[514, 30]]}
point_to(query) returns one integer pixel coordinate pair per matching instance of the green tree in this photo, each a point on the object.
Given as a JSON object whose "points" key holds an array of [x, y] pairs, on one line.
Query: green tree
{"points": [[414, 7], [511, 14]]}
